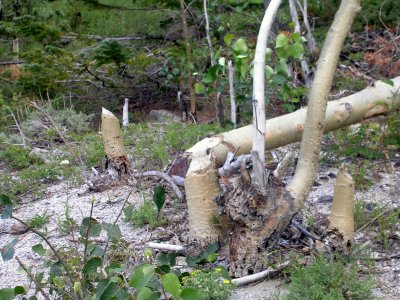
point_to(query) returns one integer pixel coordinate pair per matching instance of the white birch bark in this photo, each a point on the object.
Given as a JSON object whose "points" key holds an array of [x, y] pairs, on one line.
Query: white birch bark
{"points": [[258, 149], [125, 114], [314, 127], [232, 93]]}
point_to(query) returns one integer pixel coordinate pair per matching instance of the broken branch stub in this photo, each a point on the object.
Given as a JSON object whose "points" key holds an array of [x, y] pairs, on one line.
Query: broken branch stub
{"points": [[341, 217], [111, 132]]}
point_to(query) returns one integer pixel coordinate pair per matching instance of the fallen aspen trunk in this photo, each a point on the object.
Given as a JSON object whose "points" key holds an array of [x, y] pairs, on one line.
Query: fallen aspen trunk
{"points": [[201, 183], [373, 101]]}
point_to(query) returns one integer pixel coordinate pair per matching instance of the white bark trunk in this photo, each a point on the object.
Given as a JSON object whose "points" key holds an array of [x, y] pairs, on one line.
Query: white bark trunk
{"points": [[232, 93], [125, 114], [314, 127], [258, 148]]}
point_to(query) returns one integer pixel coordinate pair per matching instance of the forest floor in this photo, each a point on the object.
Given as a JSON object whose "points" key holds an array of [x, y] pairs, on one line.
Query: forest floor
{"points": [[379, 199]]}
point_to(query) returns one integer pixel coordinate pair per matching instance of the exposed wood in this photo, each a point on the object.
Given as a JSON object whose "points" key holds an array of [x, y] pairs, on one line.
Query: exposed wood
{"points": [[342, 212]]}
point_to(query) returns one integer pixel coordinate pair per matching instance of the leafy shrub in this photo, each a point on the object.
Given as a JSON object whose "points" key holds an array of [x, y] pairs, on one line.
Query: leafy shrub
{"points": [[38, 127], [333, 280], [145, 214], [214, 284], [18, 157]]}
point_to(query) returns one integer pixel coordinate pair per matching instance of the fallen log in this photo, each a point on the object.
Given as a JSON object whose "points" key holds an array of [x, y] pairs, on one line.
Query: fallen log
{"points": [[201, 182]]}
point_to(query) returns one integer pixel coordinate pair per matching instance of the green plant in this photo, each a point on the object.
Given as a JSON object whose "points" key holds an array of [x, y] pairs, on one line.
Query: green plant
{"points": [[329, 279], [71, 275], [145, 214], [68, 224], [214, 284], [148, 213], [39, 220], [18, 157]]}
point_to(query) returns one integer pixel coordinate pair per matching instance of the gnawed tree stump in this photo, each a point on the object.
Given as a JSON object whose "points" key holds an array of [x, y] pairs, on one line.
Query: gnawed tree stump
{"points": [[255, 223]]}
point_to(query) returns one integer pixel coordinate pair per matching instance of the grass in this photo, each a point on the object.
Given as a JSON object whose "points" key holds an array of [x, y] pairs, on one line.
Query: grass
{"points": [[145, 214], [39, 220], [382, 223], [154, 144], [329, 280]]}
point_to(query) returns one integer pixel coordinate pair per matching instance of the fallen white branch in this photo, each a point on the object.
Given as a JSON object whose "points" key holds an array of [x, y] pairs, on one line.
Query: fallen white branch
{"points": [[166, 247], [261, 275]]}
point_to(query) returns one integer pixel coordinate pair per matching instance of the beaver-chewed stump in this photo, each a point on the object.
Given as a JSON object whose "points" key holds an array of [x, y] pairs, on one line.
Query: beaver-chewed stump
{"points": [[254, 223]]}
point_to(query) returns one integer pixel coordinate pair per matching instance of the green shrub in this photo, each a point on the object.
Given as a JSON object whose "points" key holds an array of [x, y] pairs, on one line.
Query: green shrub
{"points": [[18, 157], [329, 280], [145, 214], [214, 284]]}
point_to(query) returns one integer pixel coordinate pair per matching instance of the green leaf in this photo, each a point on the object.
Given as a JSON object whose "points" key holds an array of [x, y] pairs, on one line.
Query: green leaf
{"points": [[175, 71], [167, 259], [94, 250], [212, 248], [19, 290], [222, 61], [243, 70], [171, 284], [39, 249], [296, 50], [388, 81], [212, 257], [7, 294], [170, 76], [240, 46], [228, 39], [296, 36], [278, 79], [6, 206], [159, 197], [112, 230], [283, 67], [190, 294], [7, 252], [281, 41], [141, 276], [90, 226], [147, 294], [268, 71], [268, 54], [199, 88], [240, 56], [91, 265], [211, 75], [113, 292]]}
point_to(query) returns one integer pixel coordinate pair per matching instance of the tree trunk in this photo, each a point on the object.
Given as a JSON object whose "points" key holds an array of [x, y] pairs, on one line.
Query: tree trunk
{"points": [[219, 106], [232, 94], [258, 149], [255, 220], [188, 58], [377, 99]]}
